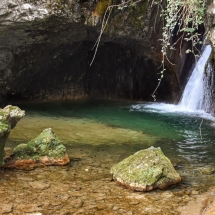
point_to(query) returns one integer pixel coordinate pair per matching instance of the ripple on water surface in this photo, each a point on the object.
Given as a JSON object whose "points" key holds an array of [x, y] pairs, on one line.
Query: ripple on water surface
{"points": [[99, 134]]}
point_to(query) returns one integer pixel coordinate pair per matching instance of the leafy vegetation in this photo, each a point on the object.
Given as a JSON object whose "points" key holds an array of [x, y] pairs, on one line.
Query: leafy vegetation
{"points": [[182, 18]]}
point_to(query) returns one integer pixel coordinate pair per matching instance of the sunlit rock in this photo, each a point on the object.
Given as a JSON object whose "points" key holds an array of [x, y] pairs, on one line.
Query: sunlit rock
{"points": [[209, 207], [45, 149], [146, 170], [9, 116]]}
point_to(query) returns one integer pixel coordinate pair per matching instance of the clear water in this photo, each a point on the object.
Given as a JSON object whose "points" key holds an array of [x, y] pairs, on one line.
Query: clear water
{"points": [[121, 128]]}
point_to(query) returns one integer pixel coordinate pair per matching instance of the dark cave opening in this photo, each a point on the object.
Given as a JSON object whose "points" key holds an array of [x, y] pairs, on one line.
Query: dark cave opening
{"points": [[47, 72]]}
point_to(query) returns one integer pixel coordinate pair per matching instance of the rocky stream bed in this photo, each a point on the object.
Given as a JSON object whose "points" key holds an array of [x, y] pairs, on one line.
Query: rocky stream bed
{"points": [[95, 141], [85, 186]]}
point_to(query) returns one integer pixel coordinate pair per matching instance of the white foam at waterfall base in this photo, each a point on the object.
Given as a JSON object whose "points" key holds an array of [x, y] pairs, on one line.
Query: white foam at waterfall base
{"points": [[170, 108], [196, 99]]}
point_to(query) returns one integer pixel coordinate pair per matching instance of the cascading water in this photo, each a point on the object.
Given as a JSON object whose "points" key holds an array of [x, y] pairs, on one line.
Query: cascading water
{"points": [[197, 96], [197, 93]]}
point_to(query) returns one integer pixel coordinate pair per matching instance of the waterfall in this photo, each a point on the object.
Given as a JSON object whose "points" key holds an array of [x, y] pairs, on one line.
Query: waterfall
{"points": [[197, 93]]}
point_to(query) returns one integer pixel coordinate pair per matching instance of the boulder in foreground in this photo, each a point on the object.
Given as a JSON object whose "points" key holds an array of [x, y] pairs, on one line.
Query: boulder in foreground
{"points": [[46, 149], [145, 170], [9, 116]]}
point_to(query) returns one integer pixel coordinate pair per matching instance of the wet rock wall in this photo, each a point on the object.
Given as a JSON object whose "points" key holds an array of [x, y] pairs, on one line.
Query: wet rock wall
{"points": [[209, 23], [46, 50]]}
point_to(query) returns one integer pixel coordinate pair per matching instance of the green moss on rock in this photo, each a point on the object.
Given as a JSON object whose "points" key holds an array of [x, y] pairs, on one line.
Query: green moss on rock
{"points": [[102, 6], [46, 144], [145, 170], [9, 116], [138, 15]]}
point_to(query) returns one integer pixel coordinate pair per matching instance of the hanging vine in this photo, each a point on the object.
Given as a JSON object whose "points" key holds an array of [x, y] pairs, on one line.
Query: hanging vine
{"points": [[185, 16]]}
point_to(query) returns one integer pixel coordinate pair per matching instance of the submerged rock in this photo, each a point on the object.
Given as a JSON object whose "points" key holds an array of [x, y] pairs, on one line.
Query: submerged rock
{"points": [[9, 116], [45, 149], [146, 170]]}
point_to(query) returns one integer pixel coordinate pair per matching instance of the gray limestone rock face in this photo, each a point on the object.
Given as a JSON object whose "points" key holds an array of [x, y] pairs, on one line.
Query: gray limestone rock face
{"points": [[146, 170], [46, 51], [209, 24], [9, 116]]}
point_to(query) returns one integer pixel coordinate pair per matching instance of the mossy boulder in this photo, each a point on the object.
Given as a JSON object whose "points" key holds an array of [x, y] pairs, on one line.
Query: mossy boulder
{"points": [[46, 144], [45, 149], [146, 170], [9, 116]]}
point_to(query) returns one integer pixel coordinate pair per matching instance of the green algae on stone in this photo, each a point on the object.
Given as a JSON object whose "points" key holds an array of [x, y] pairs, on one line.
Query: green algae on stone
{"points": [[101, 6], [46, 144], [4, 128], [145, 170], [9, 116]]}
